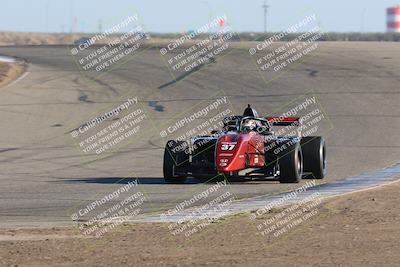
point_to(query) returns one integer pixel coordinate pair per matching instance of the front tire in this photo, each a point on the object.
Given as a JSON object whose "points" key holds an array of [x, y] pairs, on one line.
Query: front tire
{"points": [[291, 164], [173, 159]]}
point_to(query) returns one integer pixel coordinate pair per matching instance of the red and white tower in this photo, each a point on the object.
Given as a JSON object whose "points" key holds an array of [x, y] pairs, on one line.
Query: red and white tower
{"points": [[393, 19]]}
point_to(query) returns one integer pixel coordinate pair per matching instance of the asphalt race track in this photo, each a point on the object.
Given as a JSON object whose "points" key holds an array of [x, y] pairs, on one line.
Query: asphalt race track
{"points": [[44, 177]]}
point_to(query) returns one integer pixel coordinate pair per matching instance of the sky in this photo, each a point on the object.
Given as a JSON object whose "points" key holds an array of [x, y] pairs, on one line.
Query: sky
{"points": [[183, 15]]}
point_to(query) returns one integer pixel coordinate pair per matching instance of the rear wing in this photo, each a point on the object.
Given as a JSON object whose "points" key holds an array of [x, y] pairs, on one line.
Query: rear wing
{"points": [[283, 121]]}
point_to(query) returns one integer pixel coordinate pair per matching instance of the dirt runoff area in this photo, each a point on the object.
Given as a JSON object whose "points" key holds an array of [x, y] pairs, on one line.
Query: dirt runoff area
{"points": [[10, 72], [30, 38], [359, 229]]}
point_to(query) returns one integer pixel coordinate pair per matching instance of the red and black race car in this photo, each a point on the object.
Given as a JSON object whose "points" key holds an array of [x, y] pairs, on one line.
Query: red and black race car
{"points": [[247, 147]]}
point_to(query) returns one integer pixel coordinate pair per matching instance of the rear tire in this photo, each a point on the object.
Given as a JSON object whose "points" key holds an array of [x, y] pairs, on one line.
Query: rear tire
{"points": [[314, 152], [291, 164], [173, 159]]}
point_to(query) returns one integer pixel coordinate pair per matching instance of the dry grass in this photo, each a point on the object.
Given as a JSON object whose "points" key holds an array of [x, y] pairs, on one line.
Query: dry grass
{"points": [[26, 38], [10, 72]]}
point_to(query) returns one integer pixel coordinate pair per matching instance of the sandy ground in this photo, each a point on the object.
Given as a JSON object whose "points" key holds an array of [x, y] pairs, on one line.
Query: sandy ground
{"points": [[26, 38], [31, 38], [359, 229], [9, 72]]}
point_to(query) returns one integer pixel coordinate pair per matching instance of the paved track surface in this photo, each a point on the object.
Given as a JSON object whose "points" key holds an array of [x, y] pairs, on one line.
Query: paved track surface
{"points": [[44, 178]]}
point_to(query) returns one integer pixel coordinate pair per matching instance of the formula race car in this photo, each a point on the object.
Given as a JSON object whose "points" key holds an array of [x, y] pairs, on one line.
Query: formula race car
{"points": [[247, 147]]}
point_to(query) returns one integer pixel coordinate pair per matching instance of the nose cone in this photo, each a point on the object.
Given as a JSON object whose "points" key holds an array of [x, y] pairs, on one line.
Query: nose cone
{"points": [[230, 153]]}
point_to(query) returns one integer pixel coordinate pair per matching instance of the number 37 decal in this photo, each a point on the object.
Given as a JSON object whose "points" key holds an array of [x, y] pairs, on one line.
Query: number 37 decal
{"points": [[229, 147]]}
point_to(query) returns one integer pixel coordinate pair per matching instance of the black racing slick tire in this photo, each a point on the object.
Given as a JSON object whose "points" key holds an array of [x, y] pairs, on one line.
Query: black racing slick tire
{"points": [[174, 158], [314, 154], [291, 164]]}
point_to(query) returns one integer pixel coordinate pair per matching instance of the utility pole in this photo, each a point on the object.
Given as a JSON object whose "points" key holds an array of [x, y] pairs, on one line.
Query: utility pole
{"points": [[265, 6]]}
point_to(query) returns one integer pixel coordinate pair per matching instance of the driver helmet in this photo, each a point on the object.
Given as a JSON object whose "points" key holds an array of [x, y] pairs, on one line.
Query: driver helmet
{"points": [[250, 124]]}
